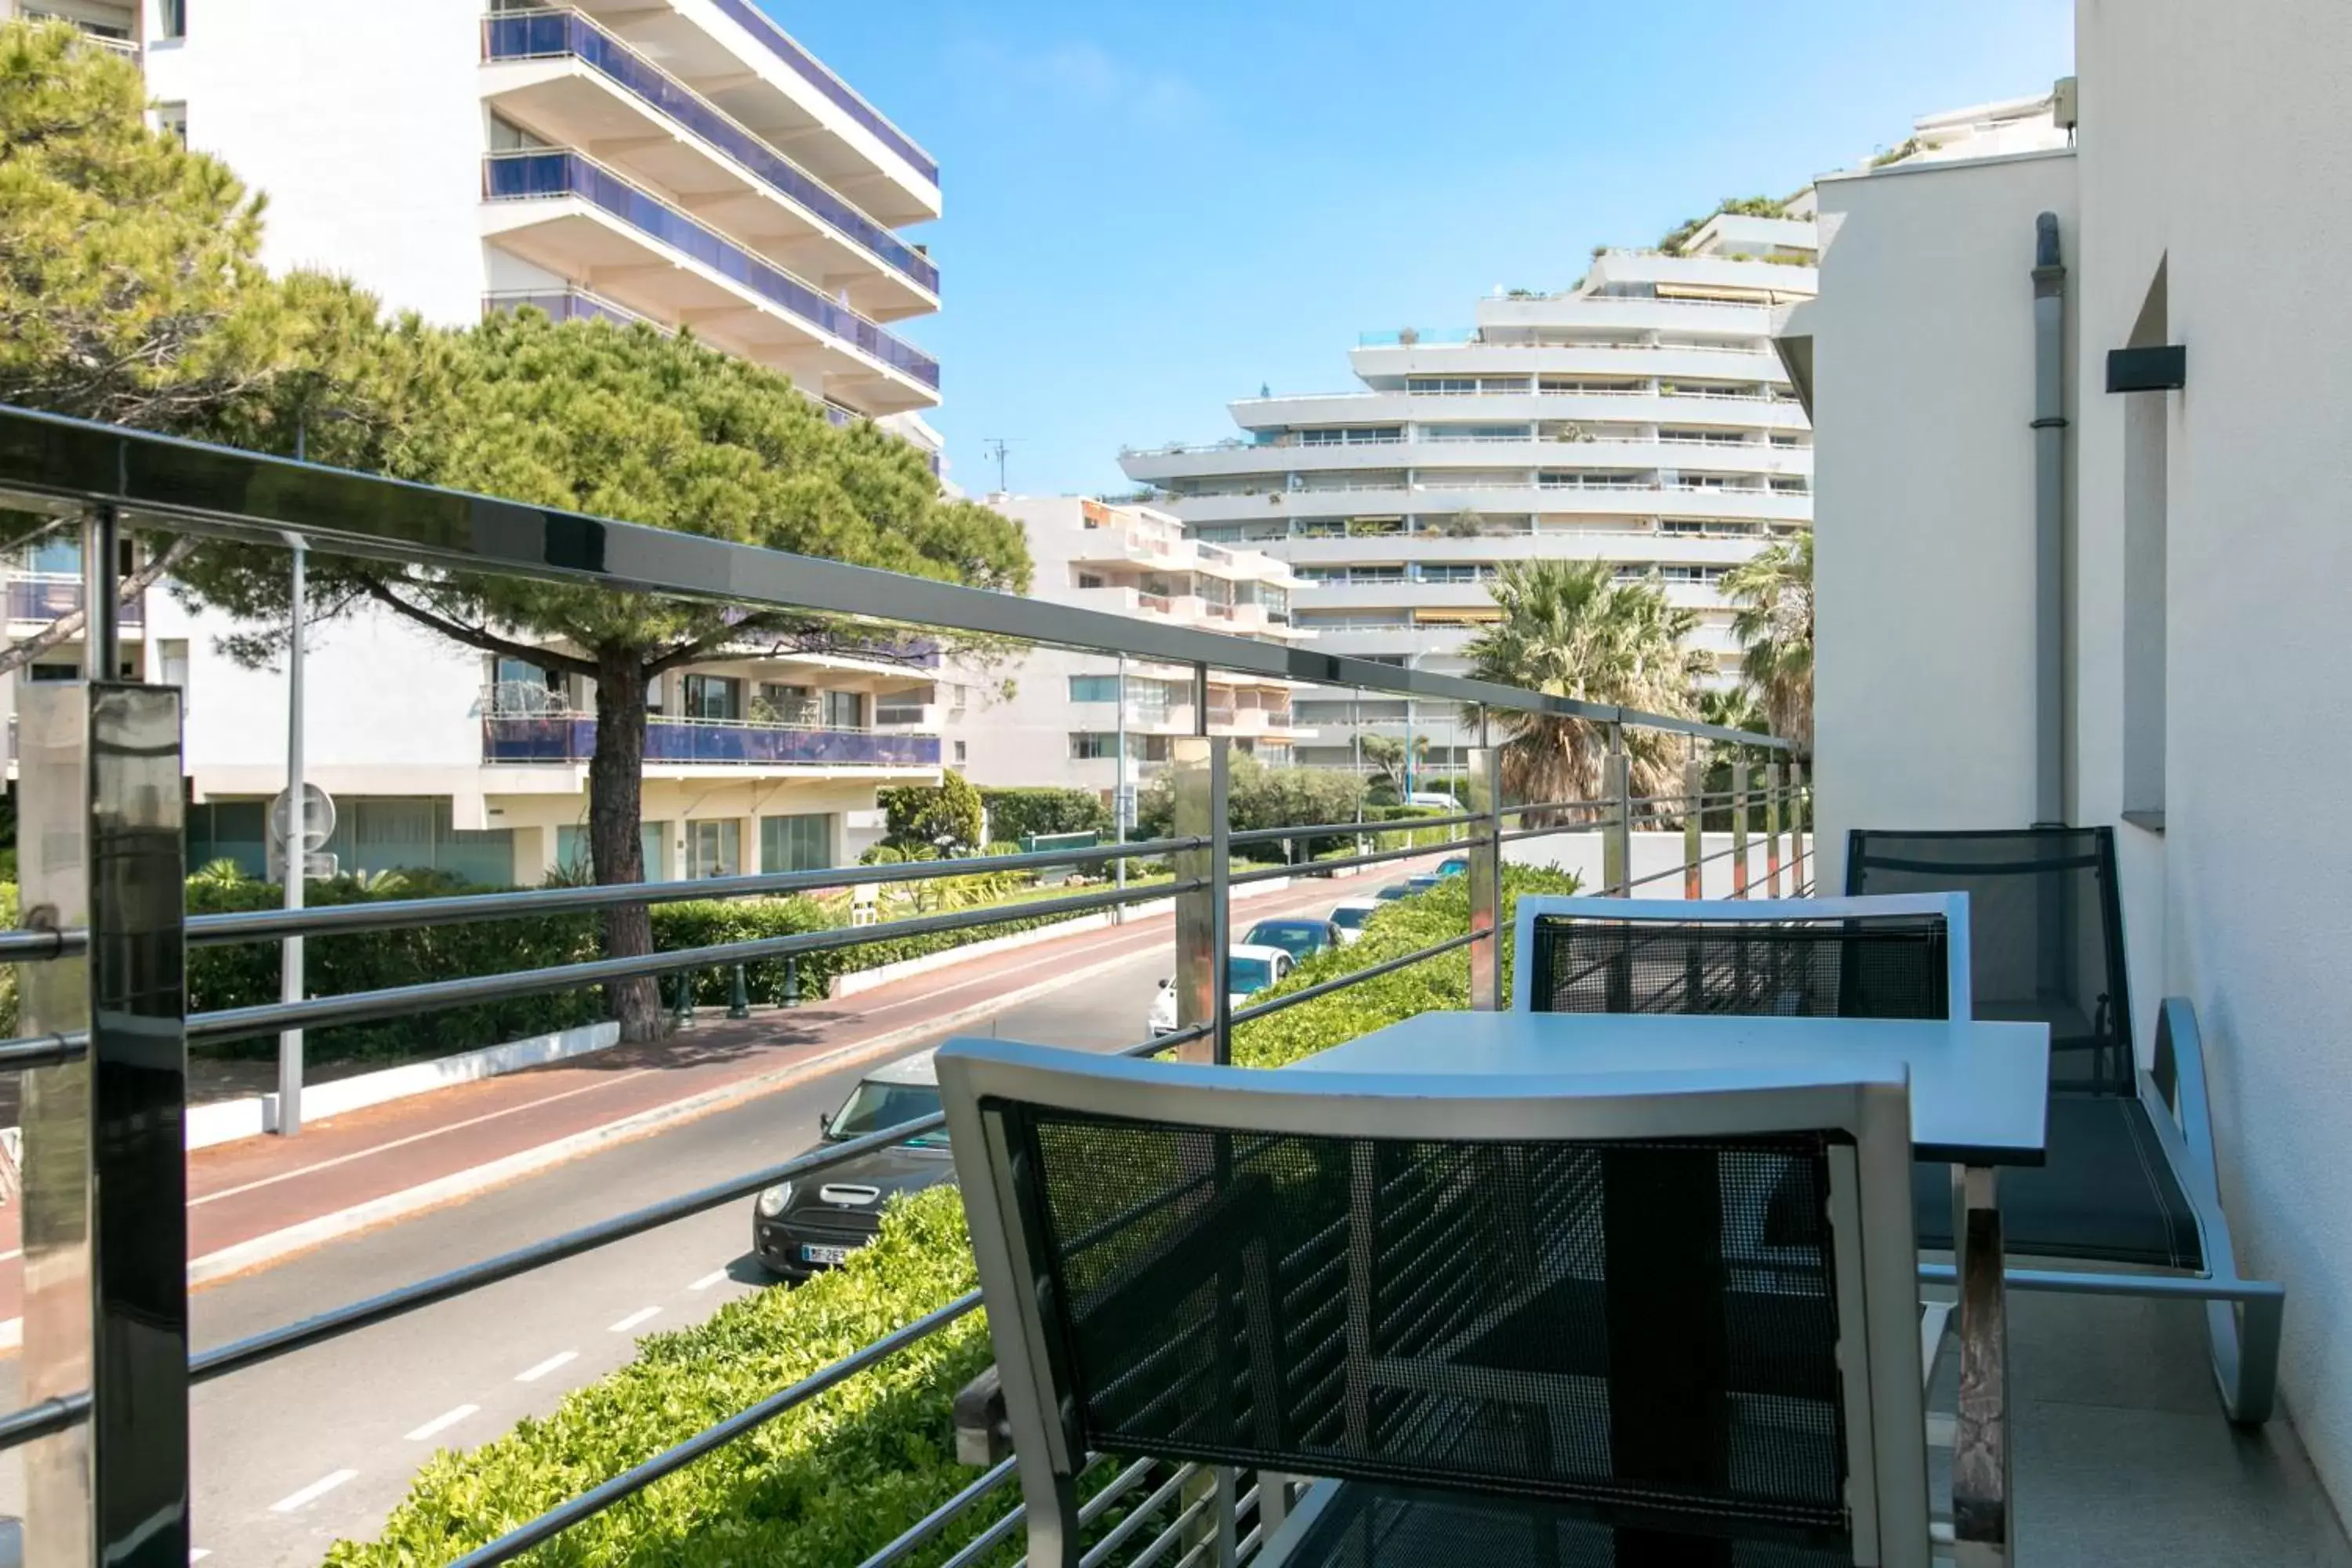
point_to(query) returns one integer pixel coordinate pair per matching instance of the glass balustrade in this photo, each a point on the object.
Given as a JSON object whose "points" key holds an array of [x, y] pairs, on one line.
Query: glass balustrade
{"points": [[519, 177], [541, 35], [572, 738]]}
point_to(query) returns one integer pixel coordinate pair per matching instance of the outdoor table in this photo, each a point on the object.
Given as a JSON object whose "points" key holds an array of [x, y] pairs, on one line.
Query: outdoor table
{"points": [[1979, 1098]]}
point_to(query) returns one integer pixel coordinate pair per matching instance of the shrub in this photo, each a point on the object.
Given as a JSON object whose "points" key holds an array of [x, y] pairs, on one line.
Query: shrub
{"points": [[1443, 982], [1024, 813], [826, 1484], [1259, 797], [944, 818]]}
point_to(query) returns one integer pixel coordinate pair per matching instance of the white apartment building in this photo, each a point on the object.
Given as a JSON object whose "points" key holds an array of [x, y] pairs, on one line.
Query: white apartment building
{"points": [[680, 162], [1062, 723], [1639, 419], [2199, 578]]}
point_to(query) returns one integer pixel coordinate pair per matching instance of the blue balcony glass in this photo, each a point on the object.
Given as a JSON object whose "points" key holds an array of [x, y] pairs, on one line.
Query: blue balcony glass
{"points": [[46, 599], [523, 176], [543, 34], [566, 738], [567, 305], [805, 66]]}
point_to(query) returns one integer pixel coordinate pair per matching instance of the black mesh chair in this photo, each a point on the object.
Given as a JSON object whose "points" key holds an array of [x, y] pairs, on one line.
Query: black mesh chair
{"points": [[2130, 1177], [1506, 1321]]}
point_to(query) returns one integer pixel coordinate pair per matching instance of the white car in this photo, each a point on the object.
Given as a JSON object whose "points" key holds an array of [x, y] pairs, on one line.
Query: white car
{"points": [[1350, 915], [1247, 968]]}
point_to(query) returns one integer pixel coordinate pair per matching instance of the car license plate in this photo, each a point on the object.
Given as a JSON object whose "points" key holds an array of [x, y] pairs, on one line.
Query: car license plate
{"points": [[812, 1253]]}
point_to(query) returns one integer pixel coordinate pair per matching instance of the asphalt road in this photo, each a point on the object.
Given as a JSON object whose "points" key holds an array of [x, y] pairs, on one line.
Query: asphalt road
{"points": [[320, 1445]]}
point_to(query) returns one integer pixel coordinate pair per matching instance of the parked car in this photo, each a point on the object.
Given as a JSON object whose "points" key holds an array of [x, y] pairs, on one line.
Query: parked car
{"points": [[1396, 890], [1247, 968], [1422, 882], [1348, 917], [1453, 865], [1301, 936], [801, 1228], [1436, 799]]}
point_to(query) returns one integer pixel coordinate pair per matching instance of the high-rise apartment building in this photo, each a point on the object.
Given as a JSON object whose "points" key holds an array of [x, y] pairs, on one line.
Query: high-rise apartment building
{"points": [[1061, 724], [684, 162], [1639, 419]]}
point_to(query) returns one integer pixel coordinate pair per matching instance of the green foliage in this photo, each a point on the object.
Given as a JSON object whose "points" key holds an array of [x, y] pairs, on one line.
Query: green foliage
{"points": [[131, 286], [1259, 797], [933, 821], [1774, 626], [1569, 628], [1737, 206], [1896, 154], [1023, 813], [1398, 928], [825, 1484]]}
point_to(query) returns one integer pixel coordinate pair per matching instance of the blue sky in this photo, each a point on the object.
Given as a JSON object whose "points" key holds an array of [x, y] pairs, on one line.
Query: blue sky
{"points": [[1154, 208]]}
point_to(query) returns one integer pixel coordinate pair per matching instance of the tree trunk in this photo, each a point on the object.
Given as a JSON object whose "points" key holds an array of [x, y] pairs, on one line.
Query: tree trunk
{"points": [[615, 799]]}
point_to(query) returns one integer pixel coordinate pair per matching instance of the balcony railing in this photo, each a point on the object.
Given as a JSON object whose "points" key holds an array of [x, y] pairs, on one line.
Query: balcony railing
{"points": [[100, 771], [806, 66], [45, 599], [540, 174], [572, 738], [545, 34]]}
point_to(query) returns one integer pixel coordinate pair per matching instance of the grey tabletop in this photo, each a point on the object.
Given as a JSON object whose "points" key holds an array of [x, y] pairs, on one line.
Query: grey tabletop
{"points": [[1980, 1093]]}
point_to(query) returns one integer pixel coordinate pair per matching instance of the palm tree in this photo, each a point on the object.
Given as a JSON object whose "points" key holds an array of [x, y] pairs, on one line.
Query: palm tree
{"points": [[1774, 625], [1569, 628]]}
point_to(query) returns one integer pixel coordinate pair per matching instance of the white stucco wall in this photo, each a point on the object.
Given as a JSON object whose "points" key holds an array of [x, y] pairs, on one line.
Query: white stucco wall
{"points": [[1923, 378], [368, 140], [2216, 141]]}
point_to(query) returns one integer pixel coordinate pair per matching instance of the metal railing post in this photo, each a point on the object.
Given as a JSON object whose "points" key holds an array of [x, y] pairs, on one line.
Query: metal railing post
{"points": [[1198, 769], [105, 1219], [1486, 879], [1739, 826], [1617, 830], [1772, 830], [1796, 828], [1694, 827]]}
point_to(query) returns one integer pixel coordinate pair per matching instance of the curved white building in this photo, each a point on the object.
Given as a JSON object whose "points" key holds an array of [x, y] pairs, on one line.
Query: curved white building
{"points": [[1641, 417]]}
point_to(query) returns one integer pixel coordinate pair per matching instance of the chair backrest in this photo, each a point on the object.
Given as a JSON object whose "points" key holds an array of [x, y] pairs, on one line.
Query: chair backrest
{"points": [[2047, 933], [1638, 1296], [1809, 958]]}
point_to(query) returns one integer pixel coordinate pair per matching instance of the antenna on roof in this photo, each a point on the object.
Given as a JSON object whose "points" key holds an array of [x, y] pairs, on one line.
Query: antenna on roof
{"points": [[996, 446]]}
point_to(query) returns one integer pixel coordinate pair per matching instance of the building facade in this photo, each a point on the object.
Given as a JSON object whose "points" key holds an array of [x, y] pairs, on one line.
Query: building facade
{"points": [[2199, 573], [684, 162], [1639, 419], [1061, 724]]}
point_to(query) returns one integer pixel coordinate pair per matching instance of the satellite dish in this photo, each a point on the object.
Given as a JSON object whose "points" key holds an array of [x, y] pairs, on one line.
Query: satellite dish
{"points": [[318, 817]]}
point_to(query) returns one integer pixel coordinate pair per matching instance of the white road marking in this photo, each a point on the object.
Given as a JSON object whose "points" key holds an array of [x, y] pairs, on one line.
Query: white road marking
{"points": [[708, 1281], [312, 1492], [534, 1374], [631, 1321], [443, 1422]]}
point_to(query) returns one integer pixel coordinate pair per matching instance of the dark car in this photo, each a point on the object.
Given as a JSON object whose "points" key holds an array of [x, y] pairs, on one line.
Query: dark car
{"points": [[1396, 890], [798, 1229], [1299, 937]]}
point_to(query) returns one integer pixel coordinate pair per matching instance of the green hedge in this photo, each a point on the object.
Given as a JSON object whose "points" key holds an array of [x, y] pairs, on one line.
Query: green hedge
{"points": [[1020, 813], [841, 1476], [821, 1487]]}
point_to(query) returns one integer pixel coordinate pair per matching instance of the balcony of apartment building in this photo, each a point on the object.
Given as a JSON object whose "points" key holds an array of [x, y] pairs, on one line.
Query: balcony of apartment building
{"points": [[110, 25], [1526, 316], [735, 56], [575, 84], [1563, 494], [722, 719], [573, 220], [1630, 353], [1248, 606], [1655, 274]]}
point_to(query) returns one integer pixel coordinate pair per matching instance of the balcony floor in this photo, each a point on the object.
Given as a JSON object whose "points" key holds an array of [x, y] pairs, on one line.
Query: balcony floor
{"points": [[2122, 1453]]}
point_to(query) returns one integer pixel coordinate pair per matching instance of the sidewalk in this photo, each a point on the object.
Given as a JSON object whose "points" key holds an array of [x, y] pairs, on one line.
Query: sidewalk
{"points": [[261, 1199]]}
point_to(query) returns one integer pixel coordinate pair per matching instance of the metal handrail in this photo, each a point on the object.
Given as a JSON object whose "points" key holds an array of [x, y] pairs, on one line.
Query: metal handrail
{"points": [[939, 1518], [259, 925], [392, 1002], [26, 1052], [163, 481], [35, 944]]}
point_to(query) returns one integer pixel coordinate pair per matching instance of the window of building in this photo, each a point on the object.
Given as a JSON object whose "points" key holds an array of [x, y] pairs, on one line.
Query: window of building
{"points": [[714, 848], [571, 848], [781, 704], [170, 20], [902, 707], [1098, 745], [718, 697], [506, 136], [1094, 688], [802, 843], [843, 710], [172, 119], [963, 754], [390, 833], [1090, 580], [55, 672]]}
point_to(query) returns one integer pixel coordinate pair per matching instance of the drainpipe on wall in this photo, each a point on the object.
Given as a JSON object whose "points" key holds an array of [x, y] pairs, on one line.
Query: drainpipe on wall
{"points": [[2049, 523]]}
